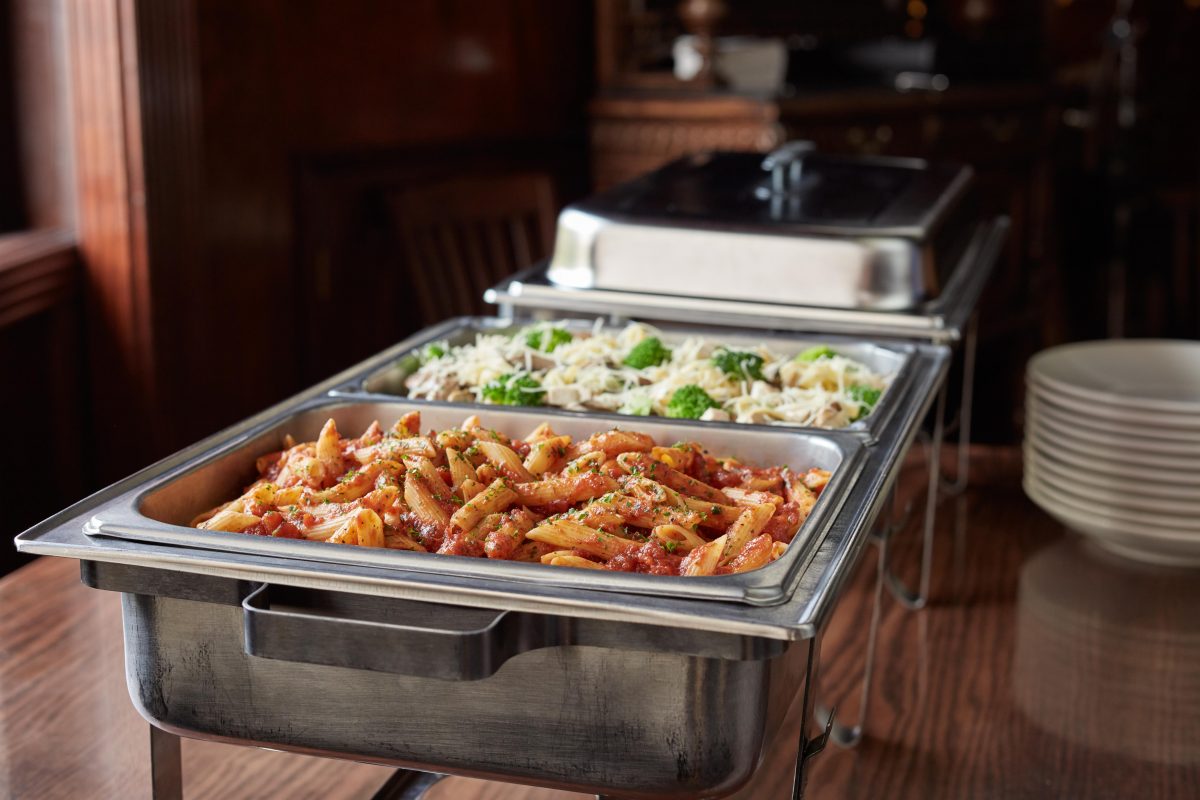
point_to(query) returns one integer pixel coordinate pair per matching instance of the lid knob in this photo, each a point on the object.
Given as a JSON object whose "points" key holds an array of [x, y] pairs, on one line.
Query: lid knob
{"points": [[786, 165]]}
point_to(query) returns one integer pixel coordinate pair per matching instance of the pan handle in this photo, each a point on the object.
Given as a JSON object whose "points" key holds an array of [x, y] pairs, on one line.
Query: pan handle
{"points": [[402, 637]]}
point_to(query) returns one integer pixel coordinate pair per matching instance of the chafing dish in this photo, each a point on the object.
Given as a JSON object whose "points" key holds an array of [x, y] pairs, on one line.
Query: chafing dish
{"points": [[635, 690], [795, 241], [628, 685]]}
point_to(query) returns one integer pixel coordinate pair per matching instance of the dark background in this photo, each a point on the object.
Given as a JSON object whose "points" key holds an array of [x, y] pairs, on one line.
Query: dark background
{"points": [[204, 201]]}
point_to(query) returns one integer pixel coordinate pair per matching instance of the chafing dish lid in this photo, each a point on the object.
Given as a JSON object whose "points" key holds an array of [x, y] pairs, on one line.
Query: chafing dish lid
{"points": [[874, 224], [794, 190]]}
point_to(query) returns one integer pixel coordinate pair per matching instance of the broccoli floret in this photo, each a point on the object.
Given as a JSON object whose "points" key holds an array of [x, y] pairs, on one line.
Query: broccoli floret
{"points": [[866, 396], [433, 350], [814, 353], [649, 352], [738, 364], [690, 402], [547, 340], [638, 404], [514, 389]]}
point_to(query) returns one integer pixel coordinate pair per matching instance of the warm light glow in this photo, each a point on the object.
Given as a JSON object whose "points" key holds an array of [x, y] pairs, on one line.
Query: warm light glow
{"points": [[913, 28], [917, 9]]}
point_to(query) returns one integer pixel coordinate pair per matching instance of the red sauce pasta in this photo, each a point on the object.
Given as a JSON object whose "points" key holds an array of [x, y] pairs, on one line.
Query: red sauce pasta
{"points": [[616, 500]]}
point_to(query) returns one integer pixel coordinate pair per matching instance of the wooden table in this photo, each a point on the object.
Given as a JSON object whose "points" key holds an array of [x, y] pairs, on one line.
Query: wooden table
{"points": [[1042, 669]]}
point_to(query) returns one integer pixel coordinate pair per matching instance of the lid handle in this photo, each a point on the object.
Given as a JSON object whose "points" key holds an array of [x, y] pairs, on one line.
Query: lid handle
{"points": [[786, 165]]}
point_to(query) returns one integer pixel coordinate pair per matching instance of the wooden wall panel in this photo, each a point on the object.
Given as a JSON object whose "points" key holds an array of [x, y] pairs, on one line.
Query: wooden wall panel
{"points": [[110, 198], [41, 109], [285, 83]]}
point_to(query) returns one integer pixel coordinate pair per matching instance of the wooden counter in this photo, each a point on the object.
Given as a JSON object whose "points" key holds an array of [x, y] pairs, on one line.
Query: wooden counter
{"points": [[1084, 683]]}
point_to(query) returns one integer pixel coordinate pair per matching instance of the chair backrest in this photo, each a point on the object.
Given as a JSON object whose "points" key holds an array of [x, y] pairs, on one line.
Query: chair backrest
{"points": [[461, 235]]}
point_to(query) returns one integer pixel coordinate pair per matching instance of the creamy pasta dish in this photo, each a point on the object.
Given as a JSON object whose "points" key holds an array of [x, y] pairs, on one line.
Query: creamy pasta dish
{"points": [[635, 372]]}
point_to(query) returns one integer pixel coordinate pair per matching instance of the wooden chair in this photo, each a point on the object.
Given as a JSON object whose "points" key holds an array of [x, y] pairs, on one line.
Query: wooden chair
{"points": [[461, 235]]}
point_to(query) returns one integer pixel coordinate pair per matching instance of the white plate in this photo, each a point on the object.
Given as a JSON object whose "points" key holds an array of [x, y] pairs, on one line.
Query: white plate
{"points": [[1106, 418], [1142, 521], [1126, 498], [1099, 488], [1061, 435], [1122, 482], [1183, 550], [1165, 423], [1111, 433], [1116, 468], [1160, 374]]}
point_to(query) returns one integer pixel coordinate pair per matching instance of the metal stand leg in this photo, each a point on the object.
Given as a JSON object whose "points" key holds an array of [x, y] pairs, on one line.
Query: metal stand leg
{"points": [[850, 735], [963, 474], [407, 784], [166, 766], [918, 599]]}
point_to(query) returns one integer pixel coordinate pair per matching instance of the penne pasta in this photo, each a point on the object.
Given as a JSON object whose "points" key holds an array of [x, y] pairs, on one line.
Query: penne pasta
{"points": [[778, 549], [572, 561], [573, 535], [756, 553], [678, 539], [798, 492], [505, 460], [542, 432], [748, 525], [613, 501], [546, 454], [470, 488], [230, 519], [569, 490], [362, 527], [613, 443], [704, 559], [461, 469], [494, 498], [715, 515], [640, 463], [421, 500]]}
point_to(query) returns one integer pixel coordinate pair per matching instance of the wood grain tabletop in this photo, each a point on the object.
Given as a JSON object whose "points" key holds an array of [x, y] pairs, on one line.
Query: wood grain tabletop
{"points": [[1043, 669]]}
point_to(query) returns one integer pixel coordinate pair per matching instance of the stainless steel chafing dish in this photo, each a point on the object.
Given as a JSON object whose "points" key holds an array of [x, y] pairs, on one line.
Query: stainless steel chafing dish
{"points": [[616, 688], [626, 686], [795, 241]]}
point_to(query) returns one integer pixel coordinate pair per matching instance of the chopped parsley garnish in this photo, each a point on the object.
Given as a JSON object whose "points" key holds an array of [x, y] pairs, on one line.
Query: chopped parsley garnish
{"points": [[738, 364], [649, 352], [670, 546]]}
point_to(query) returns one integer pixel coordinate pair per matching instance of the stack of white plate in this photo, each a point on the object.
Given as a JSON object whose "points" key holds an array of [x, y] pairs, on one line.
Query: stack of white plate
{"points": [[1112, 444]]}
